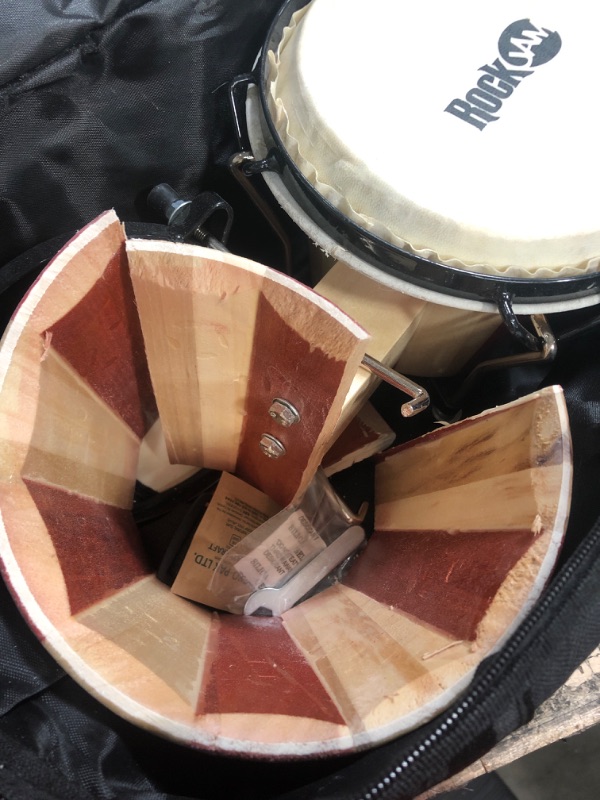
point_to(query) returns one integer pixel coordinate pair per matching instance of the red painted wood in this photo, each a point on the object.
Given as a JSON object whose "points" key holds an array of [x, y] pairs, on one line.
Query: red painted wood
{"points": [[101, 338], [288, 366], [447, 580], [253, 667], [356, 435], [97, 545]]}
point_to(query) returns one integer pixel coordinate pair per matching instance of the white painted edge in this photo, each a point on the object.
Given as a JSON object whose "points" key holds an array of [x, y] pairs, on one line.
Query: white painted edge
{"points": [[197, 251]]}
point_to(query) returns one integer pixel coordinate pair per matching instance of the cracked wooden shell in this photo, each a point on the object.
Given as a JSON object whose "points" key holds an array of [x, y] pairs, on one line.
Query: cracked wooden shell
{"points": [[469, 520]]}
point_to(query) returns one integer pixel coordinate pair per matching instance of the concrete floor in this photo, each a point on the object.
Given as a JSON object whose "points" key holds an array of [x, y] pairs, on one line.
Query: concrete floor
{"points": [[566, 770]]}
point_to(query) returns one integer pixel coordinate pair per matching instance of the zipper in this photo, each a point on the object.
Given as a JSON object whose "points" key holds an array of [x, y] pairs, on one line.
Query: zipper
{"points": [[383, 787]]}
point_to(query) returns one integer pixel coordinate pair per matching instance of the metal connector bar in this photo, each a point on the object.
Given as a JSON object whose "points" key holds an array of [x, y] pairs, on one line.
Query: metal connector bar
{"points": [[420, 396]]}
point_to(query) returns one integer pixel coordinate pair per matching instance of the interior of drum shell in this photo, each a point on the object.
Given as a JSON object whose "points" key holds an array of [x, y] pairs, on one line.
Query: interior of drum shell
{"points": [[350, 667], [414, 269]]}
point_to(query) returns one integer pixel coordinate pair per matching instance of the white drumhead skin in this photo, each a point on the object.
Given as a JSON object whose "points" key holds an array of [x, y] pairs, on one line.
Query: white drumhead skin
{"points": [[463, 131]]}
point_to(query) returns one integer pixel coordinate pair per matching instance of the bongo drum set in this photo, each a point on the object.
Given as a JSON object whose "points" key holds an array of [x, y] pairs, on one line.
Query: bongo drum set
{"points": [[423, 180], [348, 121]]}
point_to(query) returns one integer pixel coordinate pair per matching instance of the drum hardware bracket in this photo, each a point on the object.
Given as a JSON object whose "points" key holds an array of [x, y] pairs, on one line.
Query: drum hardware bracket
{"points": [[243, 165], [268, 164], [251, 165], [516, 329], [238, 167], [189, 219], [245, 79], [547, 353], [420, 396]]}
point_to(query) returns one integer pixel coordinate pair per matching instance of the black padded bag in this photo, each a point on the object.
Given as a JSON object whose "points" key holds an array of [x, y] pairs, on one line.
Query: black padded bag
{"points": [[100, 100]]}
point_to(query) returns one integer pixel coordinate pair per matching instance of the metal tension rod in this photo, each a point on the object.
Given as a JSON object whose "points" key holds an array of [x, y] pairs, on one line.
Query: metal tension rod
{"points": [[420, 396]]}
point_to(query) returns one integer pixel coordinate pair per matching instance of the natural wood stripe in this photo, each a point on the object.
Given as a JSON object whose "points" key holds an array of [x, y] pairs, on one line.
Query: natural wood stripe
{"points": [[521, 587], [445, 339], [388, 316], [447, 580], [47, 409], [527, 433], [97, 545], [224, 337], [26, 546], [422, 642], [73, 272], [551, 487], [357, 660], [275, 737], [506, 502], [446, 658], [68, 473], [197, 316], [164, 633], [18, 400], [12, 457], [77, 442], [253, 667]]}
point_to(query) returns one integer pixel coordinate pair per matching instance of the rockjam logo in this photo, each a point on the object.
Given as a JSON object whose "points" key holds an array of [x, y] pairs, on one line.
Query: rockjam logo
{"points": [[522, 47]]}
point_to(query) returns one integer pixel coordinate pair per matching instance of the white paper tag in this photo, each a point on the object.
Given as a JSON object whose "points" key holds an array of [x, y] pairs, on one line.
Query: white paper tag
{"points": [[291, 545]]}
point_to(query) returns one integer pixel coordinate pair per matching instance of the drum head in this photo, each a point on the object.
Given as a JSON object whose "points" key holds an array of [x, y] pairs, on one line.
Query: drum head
{"points": [[417, 273]]}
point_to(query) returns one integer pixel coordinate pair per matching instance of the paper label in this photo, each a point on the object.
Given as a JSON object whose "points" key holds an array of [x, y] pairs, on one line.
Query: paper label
{"points": [[291, 545], [234, 511]]}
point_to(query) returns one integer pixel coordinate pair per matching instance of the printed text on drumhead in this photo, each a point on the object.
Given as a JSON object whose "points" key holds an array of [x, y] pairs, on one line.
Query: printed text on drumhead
{"points": [[522, 48]]}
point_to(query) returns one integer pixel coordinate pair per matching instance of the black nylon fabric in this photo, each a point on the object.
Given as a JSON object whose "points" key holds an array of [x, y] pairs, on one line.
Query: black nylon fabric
{"points": [[26, 670], [100, 100], [33, 34]]}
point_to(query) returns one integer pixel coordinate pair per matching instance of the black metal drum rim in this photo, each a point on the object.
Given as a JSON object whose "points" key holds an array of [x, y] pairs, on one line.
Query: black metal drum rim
{"points": [[417, 271]]}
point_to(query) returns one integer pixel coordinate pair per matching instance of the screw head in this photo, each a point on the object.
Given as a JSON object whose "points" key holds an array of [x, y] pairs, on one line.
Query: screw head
{"points": [[271, 446]]}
